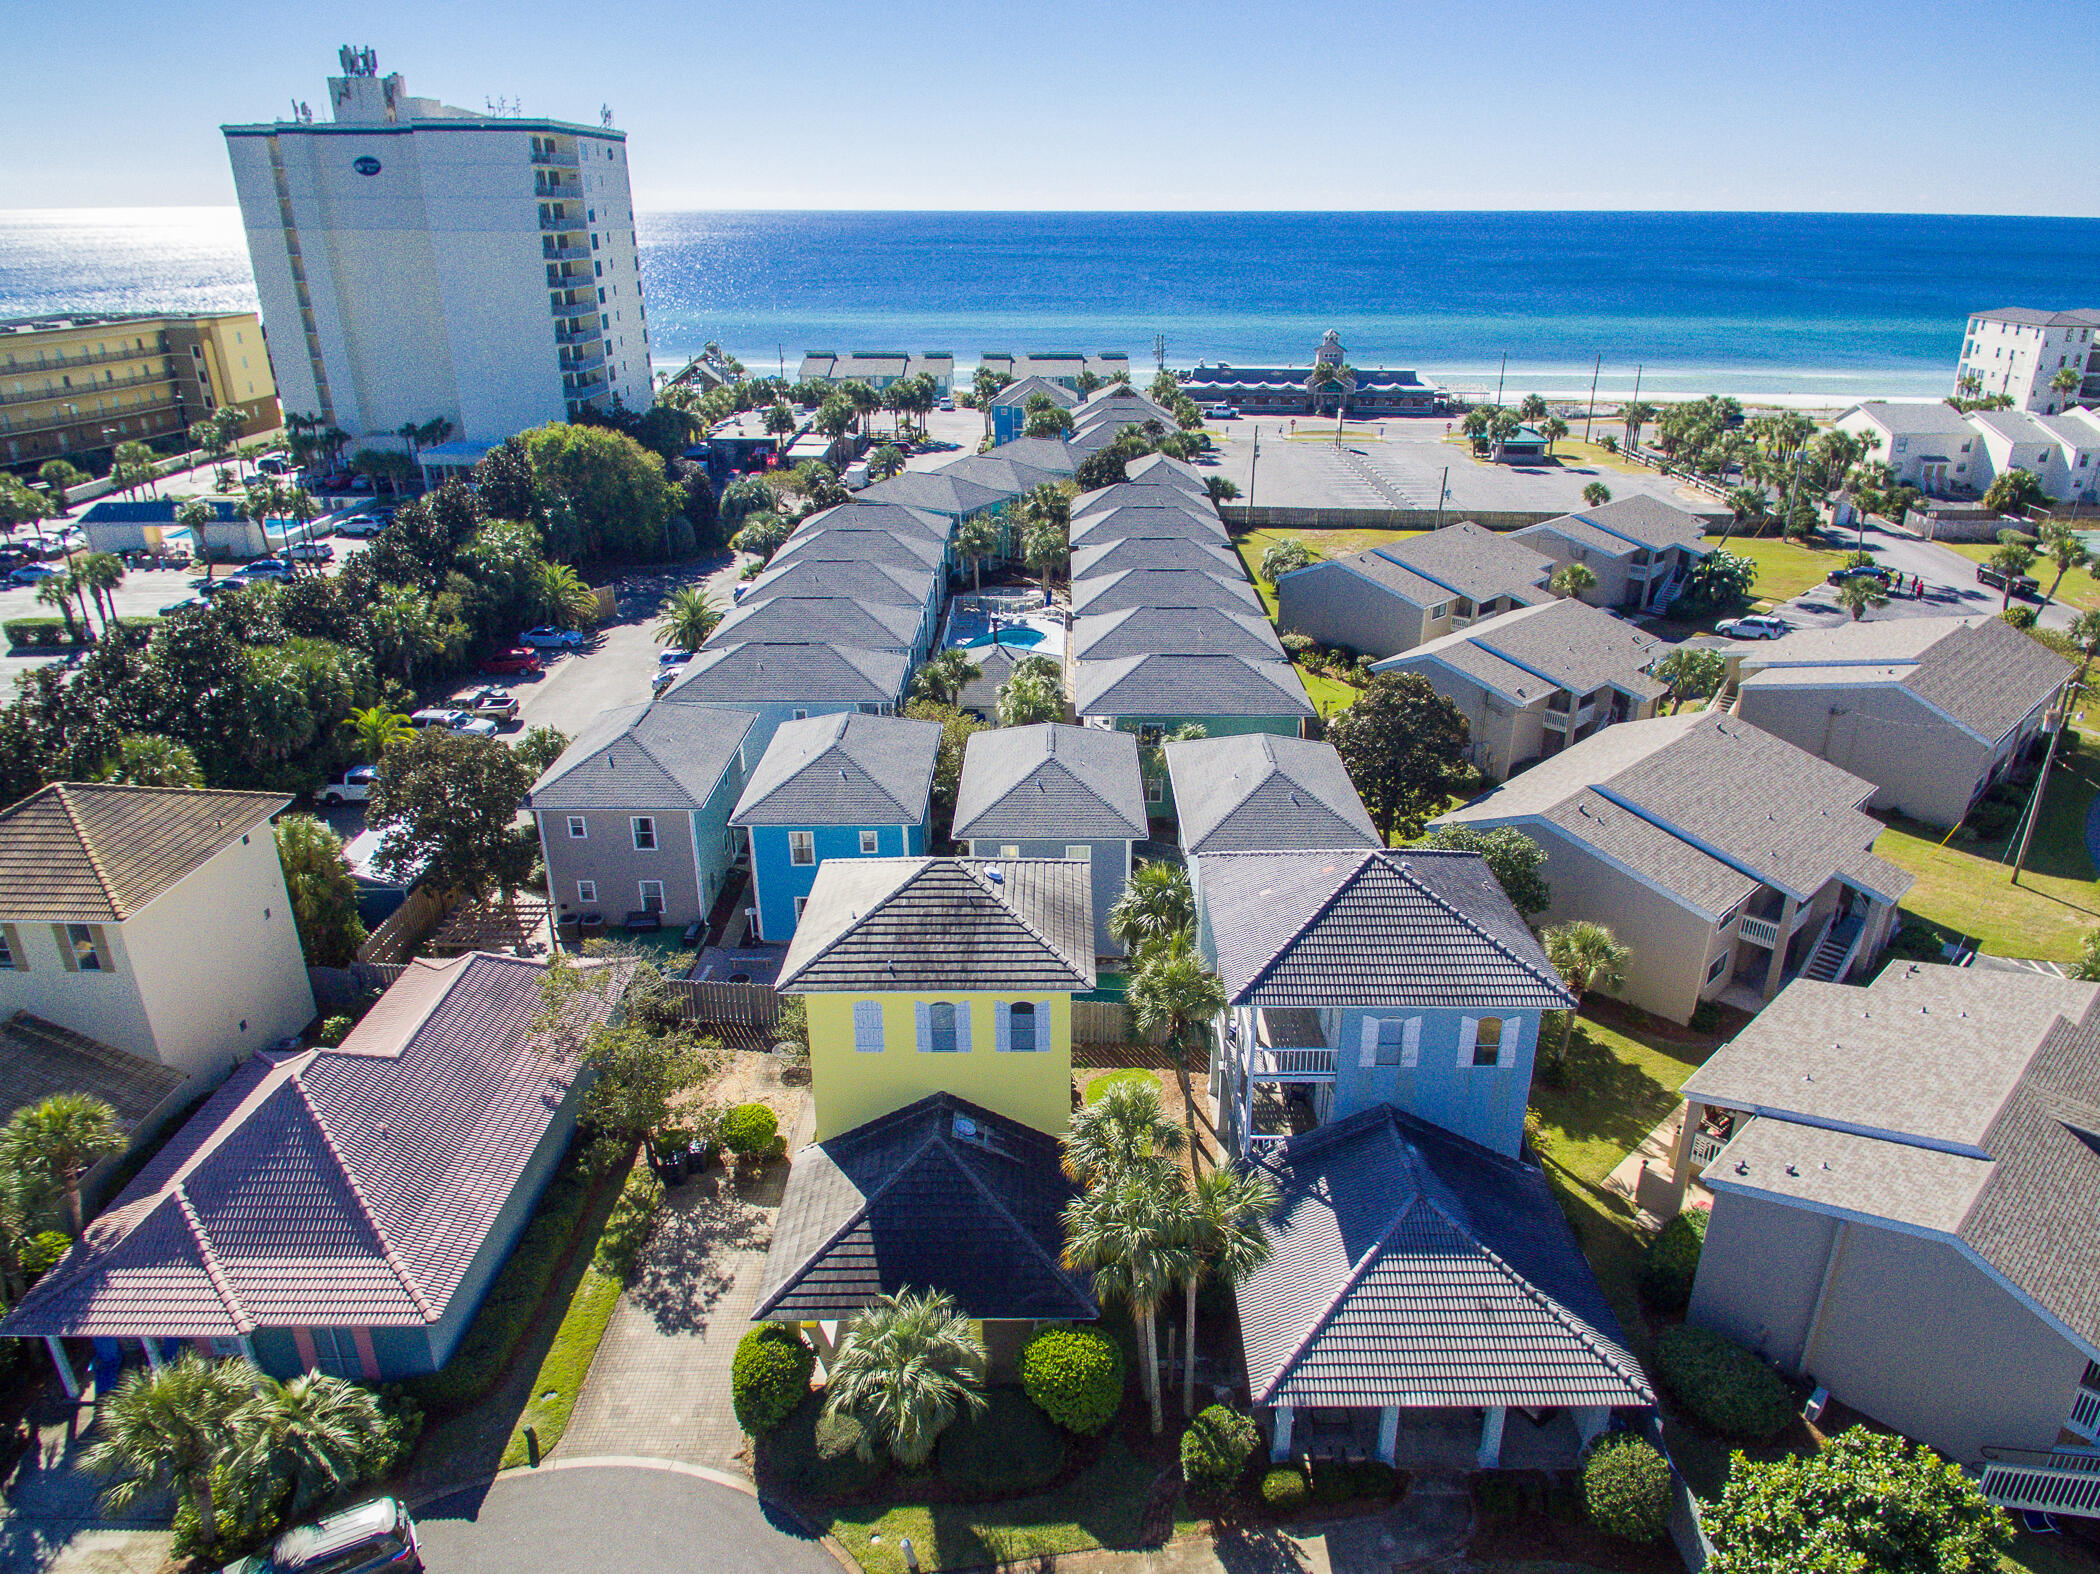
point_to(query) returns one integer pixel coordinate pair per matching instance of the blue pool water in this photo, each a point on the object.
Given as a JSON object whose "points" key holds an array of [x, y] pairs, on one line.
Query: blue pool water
{"points": [[1008, 636]]}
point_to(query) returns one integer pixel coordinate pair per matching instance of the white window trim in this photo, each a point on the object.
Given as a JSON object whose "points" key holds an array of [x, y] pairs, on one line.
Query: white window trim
{"points": [[922, 1012], [1003, 1026], [802, 863], [641, 888], [870, 843], [1080, 852], [586, 890], [635, 822], [1468, 1034], [579, 828]]}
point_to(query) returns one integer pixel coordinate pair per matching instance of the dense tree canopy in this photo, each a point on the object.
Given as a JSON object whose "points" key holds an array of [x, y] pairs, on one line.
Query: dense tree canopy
{"points": [[608, 495], [445, 803], [1404, 746]]}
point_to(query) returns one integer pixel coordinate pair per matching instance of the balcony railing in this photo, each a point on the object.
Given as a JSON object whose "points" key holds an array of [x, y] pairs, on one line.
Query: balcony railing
{"points": [[61, 395], [552, 253], [548, 158], [1291, 1064], [557, 280], [589, 308], [18, 367], [2056, 1482], [1758, 931], [559, 190], [1563, 720], [578, 365], [2085, 1412], [582, 336], [1706, 1147], [555, 223]]}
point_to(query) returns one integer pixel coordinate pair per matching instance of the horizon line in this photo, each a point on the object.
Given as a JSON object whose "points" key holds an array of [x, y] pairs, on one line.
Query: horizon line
{"points": [[1614, 212]]}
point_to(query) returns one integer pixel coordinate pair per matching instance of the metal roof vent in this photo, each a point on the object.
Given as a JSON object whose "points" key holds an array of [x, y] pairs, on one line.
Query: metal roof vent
{"points": [[996, 873]]}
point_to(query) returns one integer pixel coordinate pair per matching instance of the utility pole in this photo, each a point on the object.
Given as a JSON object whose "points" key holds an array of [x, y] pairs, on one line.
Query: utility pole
{"points": [[1499, 377], [2041, 786], [1633, 437], [783, 349], [1591, 412], [1253, 470], [1159, 350], [1443, 490]]}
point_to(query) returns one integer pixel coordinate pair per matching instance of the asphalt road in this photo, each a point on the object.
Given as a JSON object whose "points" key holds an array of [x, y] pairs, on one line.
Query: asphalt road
{"points": [[613, 1519]]}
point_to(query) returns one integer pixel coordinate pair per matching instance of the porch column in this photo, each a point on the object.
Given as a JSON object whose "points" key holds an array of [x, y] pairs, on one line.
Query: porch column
{"points": [[1279, 1432], [1775, 970], [1681, 1149], [1591, 1420], [64, 1363], [1491, 1438], [152, 1352], [1388, 1433]]}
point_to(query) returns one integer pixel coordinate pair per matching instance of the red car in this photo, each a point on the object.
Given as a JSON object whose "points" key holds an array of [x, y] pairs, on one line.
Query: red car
{"points": [[512, 662]]}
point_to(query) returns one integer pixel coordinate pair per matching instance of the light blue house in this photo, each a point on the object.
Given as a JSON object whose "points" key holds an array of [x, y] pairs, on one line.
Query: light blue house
{"points": [[1009, 407], [1364, 977], [839, 786]]}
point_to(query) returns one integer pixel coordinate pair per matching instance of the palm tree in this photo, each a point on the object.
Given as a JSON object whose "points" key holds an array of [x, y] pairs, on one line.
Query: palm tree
{"points": [[564, 597], [2061, 545], [2012, 559], [1030, 696], [1128, 1233], [57, 591], [62, 1138], [404, 628], [1860, 592], [2084, 634], [316, 1431], [1572, 579], [1587, 956], [907, 1365], [1046, 531], [1226, 1241], [1156, 905], [1171, 991], [25, 1210], [376, 728], [944, 676], [100, 574], [1748, 505], [1122, 1130], [168, 1428], [978, 538], [1531, 408], [193, 516], [689, 616], [1636, 415], [145, 759], [2064, 384], [1596, 494]]}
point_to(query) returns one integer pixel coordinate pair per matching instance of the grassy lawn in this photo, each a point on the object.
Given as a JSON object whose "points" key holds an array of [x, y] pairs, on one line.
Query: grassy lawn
{"points": [[2079, 589], [1621, 1082], [1102, 1506], [2046, 1555], [1327, 694], [1786, 568], [1966, 888], [567, 1364], [1594, 455]]}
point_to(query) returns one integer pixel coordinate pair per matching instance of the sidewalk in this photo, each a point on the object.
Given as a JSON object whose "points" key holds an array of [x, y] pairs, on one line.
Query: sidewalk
{"points": [[1643, 1177], [50, 1515]]}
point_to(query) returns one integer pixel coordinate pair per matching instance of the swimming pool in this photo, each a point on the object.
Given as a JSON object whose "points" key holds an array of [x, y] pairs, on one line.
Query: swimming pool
{"points": [[1008, 636], [978, 622]]}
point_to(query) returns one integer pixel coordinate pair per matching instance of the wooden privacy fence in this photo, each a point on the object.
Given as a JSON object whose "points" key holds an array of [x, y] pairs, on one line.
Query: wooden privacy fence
{"points": [[1107, 1022], [407, 926], [741, 1005]]}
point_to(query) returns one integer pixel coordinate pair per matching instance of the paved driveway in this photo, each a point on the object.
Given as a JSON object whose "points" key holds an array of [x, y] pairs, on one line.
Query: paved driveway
{"points": [[611, 1518]]}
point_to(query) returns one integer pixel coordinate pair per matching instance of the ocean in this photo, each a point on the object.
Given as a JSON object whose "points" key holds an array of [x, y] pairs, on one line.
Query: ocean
{"points": [[1786, 304]]}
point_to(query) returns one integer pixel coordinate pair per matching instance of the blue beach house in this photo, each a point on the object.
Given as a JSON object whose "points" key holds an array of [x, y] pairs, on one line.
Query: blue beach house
{"points": [[839, 786], [1365, 977]]}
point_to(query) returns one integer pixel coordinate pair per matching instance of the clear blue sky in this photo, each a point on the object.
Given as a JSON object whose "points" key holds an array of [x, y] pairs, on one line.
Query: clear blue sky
{"points": [[1904, 105]]}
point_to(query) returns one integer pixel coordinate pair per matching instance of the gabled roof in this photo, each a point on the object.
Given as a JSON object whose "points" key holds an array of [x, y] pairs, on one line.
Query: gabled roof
{"points": [[1410, 927], [1108, 556], [645, 757], [840, 543], [940, 1195], [1558, 644], [336, 1188], [1051, 782], [884, 924], [1166, 470], [2015, 426], [1255, 791], [1470, 560], [942, 494], [2042, 317], [804, 672], [1158, 631], [1729, 790], [894, 514], [1169, 685], [832, 620], [1934, 418], [1163, 587], [1186, 519], [1041, 453], [1028, 387], [877, 584], [1001, 471], [1159, 490], [842, 769], [1410, 1267], [97, 852], [39, 1058], [1642, 520]]}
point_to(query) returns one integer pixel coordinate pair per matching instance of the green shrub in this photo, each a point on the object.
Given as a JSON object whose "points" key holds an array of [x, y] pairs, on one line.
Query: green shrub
{"points": [[749, 1130], [627, 1226], [1626, 1488], [769, 1376], [1333, 1481], [250, 1509], [1706, 1017], [42, 631], [41, 1252], [1671, 1262], [1075, 1375], [1299, 645], [815, 1455], [1284, 1489], [334, 1030], [1727, 1389], [1007, 1448], [1216, 1447]]}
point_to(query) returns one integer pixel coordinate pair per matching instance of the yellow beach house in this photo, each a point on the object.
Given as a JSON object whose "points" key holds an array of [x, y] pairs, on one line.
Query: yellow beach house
{"points": [[942, 975]]}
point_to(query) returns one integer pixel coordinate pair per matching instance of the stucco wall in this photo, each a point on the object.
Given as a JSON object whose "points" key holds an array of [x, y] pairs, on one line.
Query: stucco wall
{"points": [[852, 1087], [1213, 727], [780, 882], [1613, 588], [1759, 1273], [1337, 606], [606, 854], [1111, 872], [1921, 764], [1483, 1103]]}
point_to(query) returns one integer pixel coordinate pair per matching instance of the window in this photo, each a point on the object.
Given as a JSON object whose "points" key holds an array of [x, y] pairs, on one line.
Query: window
{"points": [[11, 949], [84, 948], [801, 714], [1009, 850], [1021, 1030], [802, 847], [1155, 789], [1391, 1041], [867, 1026], [1714, 971], [652, 893], [644, 833], [1079, 853], [870, 844], [944, 1027], [586, 890], [1487, 1041], [578, 831], [800, 903], [1440, 611], [335, 1352]]}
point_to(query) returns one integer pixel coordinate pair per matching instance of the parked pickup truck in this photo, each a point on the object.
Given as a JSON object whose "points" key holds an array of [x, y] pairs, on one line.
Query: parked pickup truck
{"points": [[2023, 585]]}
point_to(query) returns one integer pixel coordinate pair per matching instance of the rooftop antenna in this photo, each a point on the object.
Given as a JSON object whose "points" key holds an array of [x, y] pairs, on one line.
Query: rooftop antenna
{"points": [[503, 106], [605, 116]]}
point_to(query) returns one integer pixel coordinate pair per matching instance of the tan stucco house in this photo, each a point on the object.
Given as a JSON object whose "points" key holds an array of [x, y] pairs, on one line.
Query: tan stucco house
{"points": [[1539, 679], [1640, 549], [1729, 860], [1395, 597], [1932, 711]]}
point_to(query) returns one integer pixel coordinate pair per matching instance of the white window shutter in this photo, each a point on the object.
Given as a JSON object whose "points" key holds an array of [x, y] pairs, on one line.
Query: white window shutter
{"points": [[867, 1026], [1468, 1036], [924, 1014], [1367, 1043], [964, 1042], [1043, 1020], [1411, 1043], [1002, 1025], [1512, 1041]]}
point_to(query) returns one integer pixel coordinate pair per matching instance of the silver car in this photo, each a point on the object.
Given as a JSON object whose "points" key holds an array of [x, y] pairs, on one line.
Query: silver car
{"points": [[454, 721]]}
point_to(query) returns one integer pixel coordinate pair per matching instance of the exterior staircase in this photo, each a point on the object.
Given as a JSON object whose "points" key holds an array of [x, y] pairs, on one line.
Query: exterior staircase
{"points": [[1835, 951]]}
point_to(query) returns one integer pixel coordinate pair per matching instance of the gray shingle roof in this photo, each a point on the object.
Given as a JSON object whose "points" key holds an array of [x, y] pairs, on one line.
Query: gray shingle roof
{"points": [[1255, 791], [1168, 685], [1021, 392], [1410, 927], [877, 584], [1042, 453], [1188, 521], [1644, 520], [1142, 494], [843, 769], [1155, 631], [39, 1058], [645, 757], [1163, 587], [840, 544], [790, 671], [1051, 782], [1731, 790], [940, 493], [944, 924], [1708, 884], [1105, 556], [895, 515], [1412, 1268], [1165, 470], [1935, 418], [95, 852], [1569, 644], [829, 620], [1000, 471], [1471, 560], [331, 1188], [940, 1195]]}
